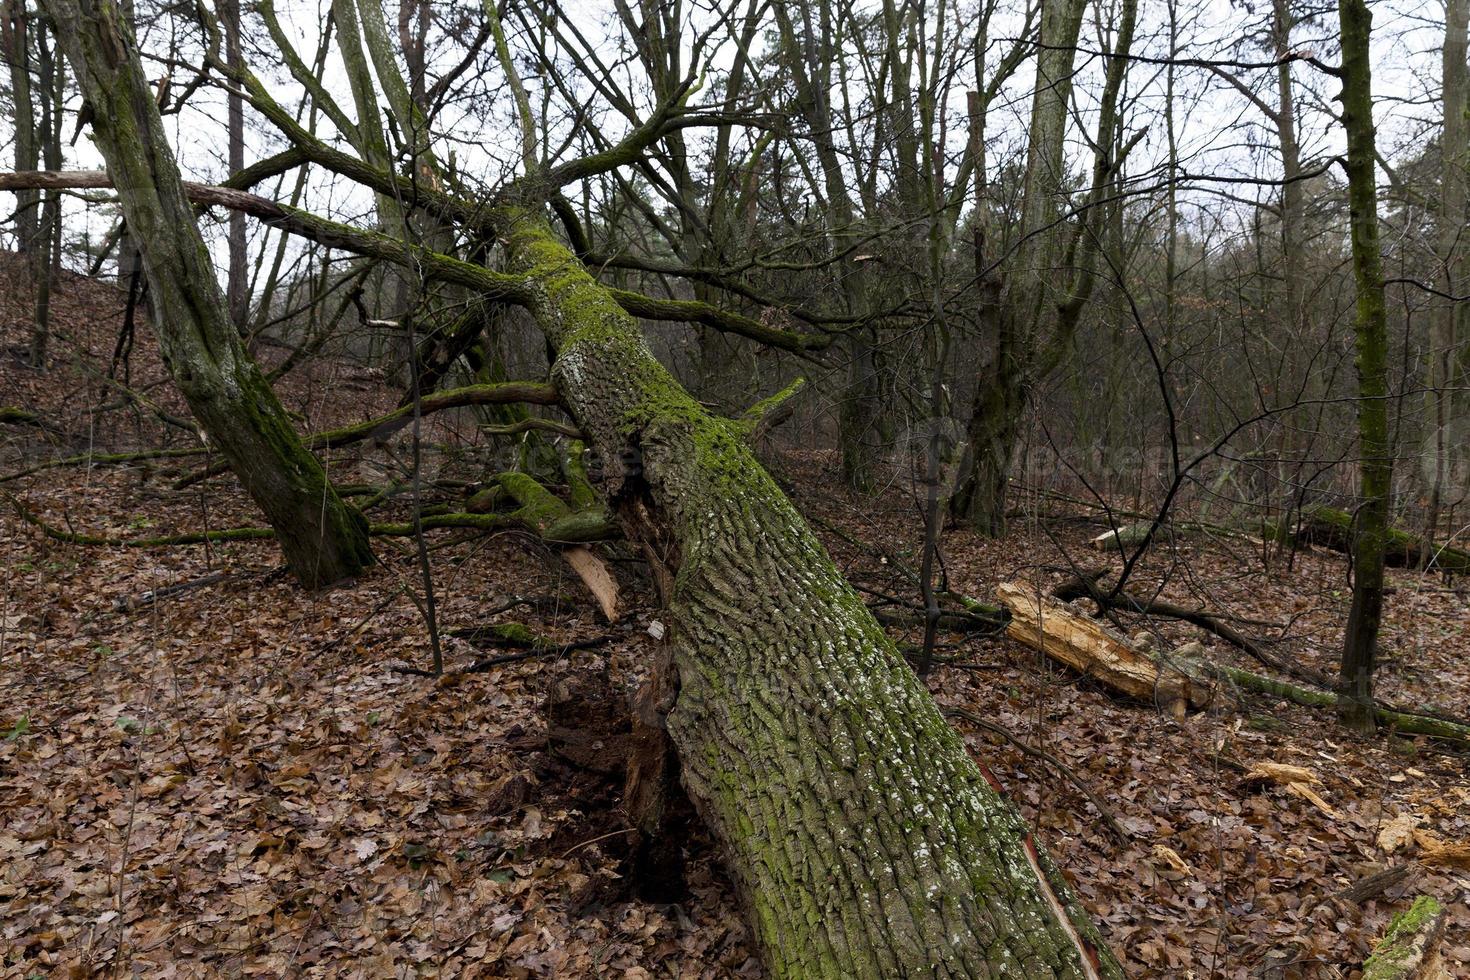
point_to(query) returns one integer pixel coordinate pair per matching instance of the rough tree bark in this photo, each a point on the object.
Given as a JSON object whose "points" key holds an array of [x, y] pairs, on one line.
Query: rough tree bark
{"points": [[324, 539], [863, 838], [1360, 640]]}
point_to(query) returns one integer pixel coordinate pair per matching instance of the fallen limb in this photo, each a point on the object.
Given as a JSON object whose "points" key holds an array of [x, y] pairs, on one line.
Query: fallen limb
{"points": [[1409, 950], [483, 522], [1403, 721], [10, 415], [131, 603], [529, 644], [1092, 649], [192, 537], [104, 459], [1333, 528], [950, 622], [1182, 678], [1371, 886], [1092, 588]]}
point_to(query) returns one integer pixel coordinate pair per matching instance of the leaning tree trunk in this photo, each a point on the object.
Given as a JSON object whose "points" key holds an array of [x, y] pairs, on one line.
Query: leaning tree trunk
{"points": [[324, 540], [864, 840], [1375, 452]]}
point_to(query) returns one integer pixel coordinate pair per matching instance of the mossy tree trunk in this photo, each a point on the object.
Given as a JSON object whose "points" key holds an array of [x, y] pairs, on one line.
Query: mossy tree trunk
{"points": [[863, 838], [324, 540], [1375, 452]]}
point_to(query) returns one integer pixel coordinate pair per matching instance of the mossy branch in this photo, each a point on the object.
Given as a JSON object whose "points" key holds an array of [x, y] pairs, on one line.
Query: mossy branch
{"points": [[770, 412], [1402, 721]]}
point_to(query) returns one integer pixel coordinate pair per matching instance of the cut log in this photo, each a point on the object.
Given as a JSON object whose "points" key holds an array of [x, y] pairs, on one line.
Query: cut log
{"points": [[1091, 648], [1409, 950]]}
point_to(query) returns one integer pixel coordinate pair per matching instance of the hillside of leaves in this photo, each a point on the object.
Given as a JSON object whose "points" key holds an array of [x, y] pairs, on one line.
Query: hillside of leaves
{"points": [[236, 779]]}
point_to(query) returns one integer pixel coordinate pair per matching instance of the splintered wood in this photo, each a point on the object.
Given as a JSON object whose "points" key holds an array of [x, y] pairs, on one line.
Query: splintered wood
{"points": [[1091, 648], [594, 573]]}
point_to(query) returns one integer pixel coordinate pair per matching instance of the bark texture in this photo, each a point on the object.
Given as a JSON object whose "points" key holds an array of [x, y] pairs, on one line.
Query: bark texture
{"points": [[865, 841], [324, 540]]}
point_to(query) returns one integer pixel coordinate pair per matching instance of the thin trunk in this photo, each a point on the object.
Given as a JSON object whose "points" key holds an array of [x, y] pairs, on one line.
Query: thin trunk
{"points": [[1360, 642], [1449, 423], [17, 45], [237, 288], [1031, 300], [323, 539], [46, 257]]}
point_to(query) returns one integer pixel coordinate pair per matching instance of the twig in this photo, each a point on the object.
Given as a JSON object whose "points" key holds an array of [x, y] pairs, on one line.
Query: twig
{"points": [[1047, 757], [558, 650], [131, 604]]}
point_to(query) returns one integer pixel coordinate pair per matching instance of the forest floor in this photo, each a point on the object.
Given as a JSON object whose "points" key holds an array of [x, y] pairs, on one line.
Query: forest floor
{"points": [[235, 780]]}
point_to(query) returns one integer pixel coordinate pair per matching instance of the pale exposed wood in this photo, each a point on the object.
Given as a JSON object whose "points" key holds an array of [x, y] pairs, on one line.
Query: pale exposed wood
{"points": [[1127, 536], [1091, 648], [593, 572]]}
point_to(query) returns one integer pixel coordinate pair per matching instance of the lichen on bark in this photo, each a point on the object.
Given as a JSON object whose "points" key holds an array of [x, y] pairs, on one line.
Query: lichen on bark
{"points": [[863, 838]]}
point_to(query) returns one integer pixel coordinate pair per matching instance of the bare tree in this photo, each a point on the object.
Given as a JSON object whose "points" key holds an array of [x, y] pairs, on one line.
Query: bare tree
{"points": [[324, 540]]}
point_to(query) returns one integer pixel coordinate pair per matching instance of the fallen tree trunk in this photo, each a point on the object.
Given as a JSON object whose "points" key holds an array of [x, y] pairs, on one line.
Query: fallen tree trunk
{"points": [[1091, 648], [1403, 721], [1409, 950], [1333, 528], [864, 840]]}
